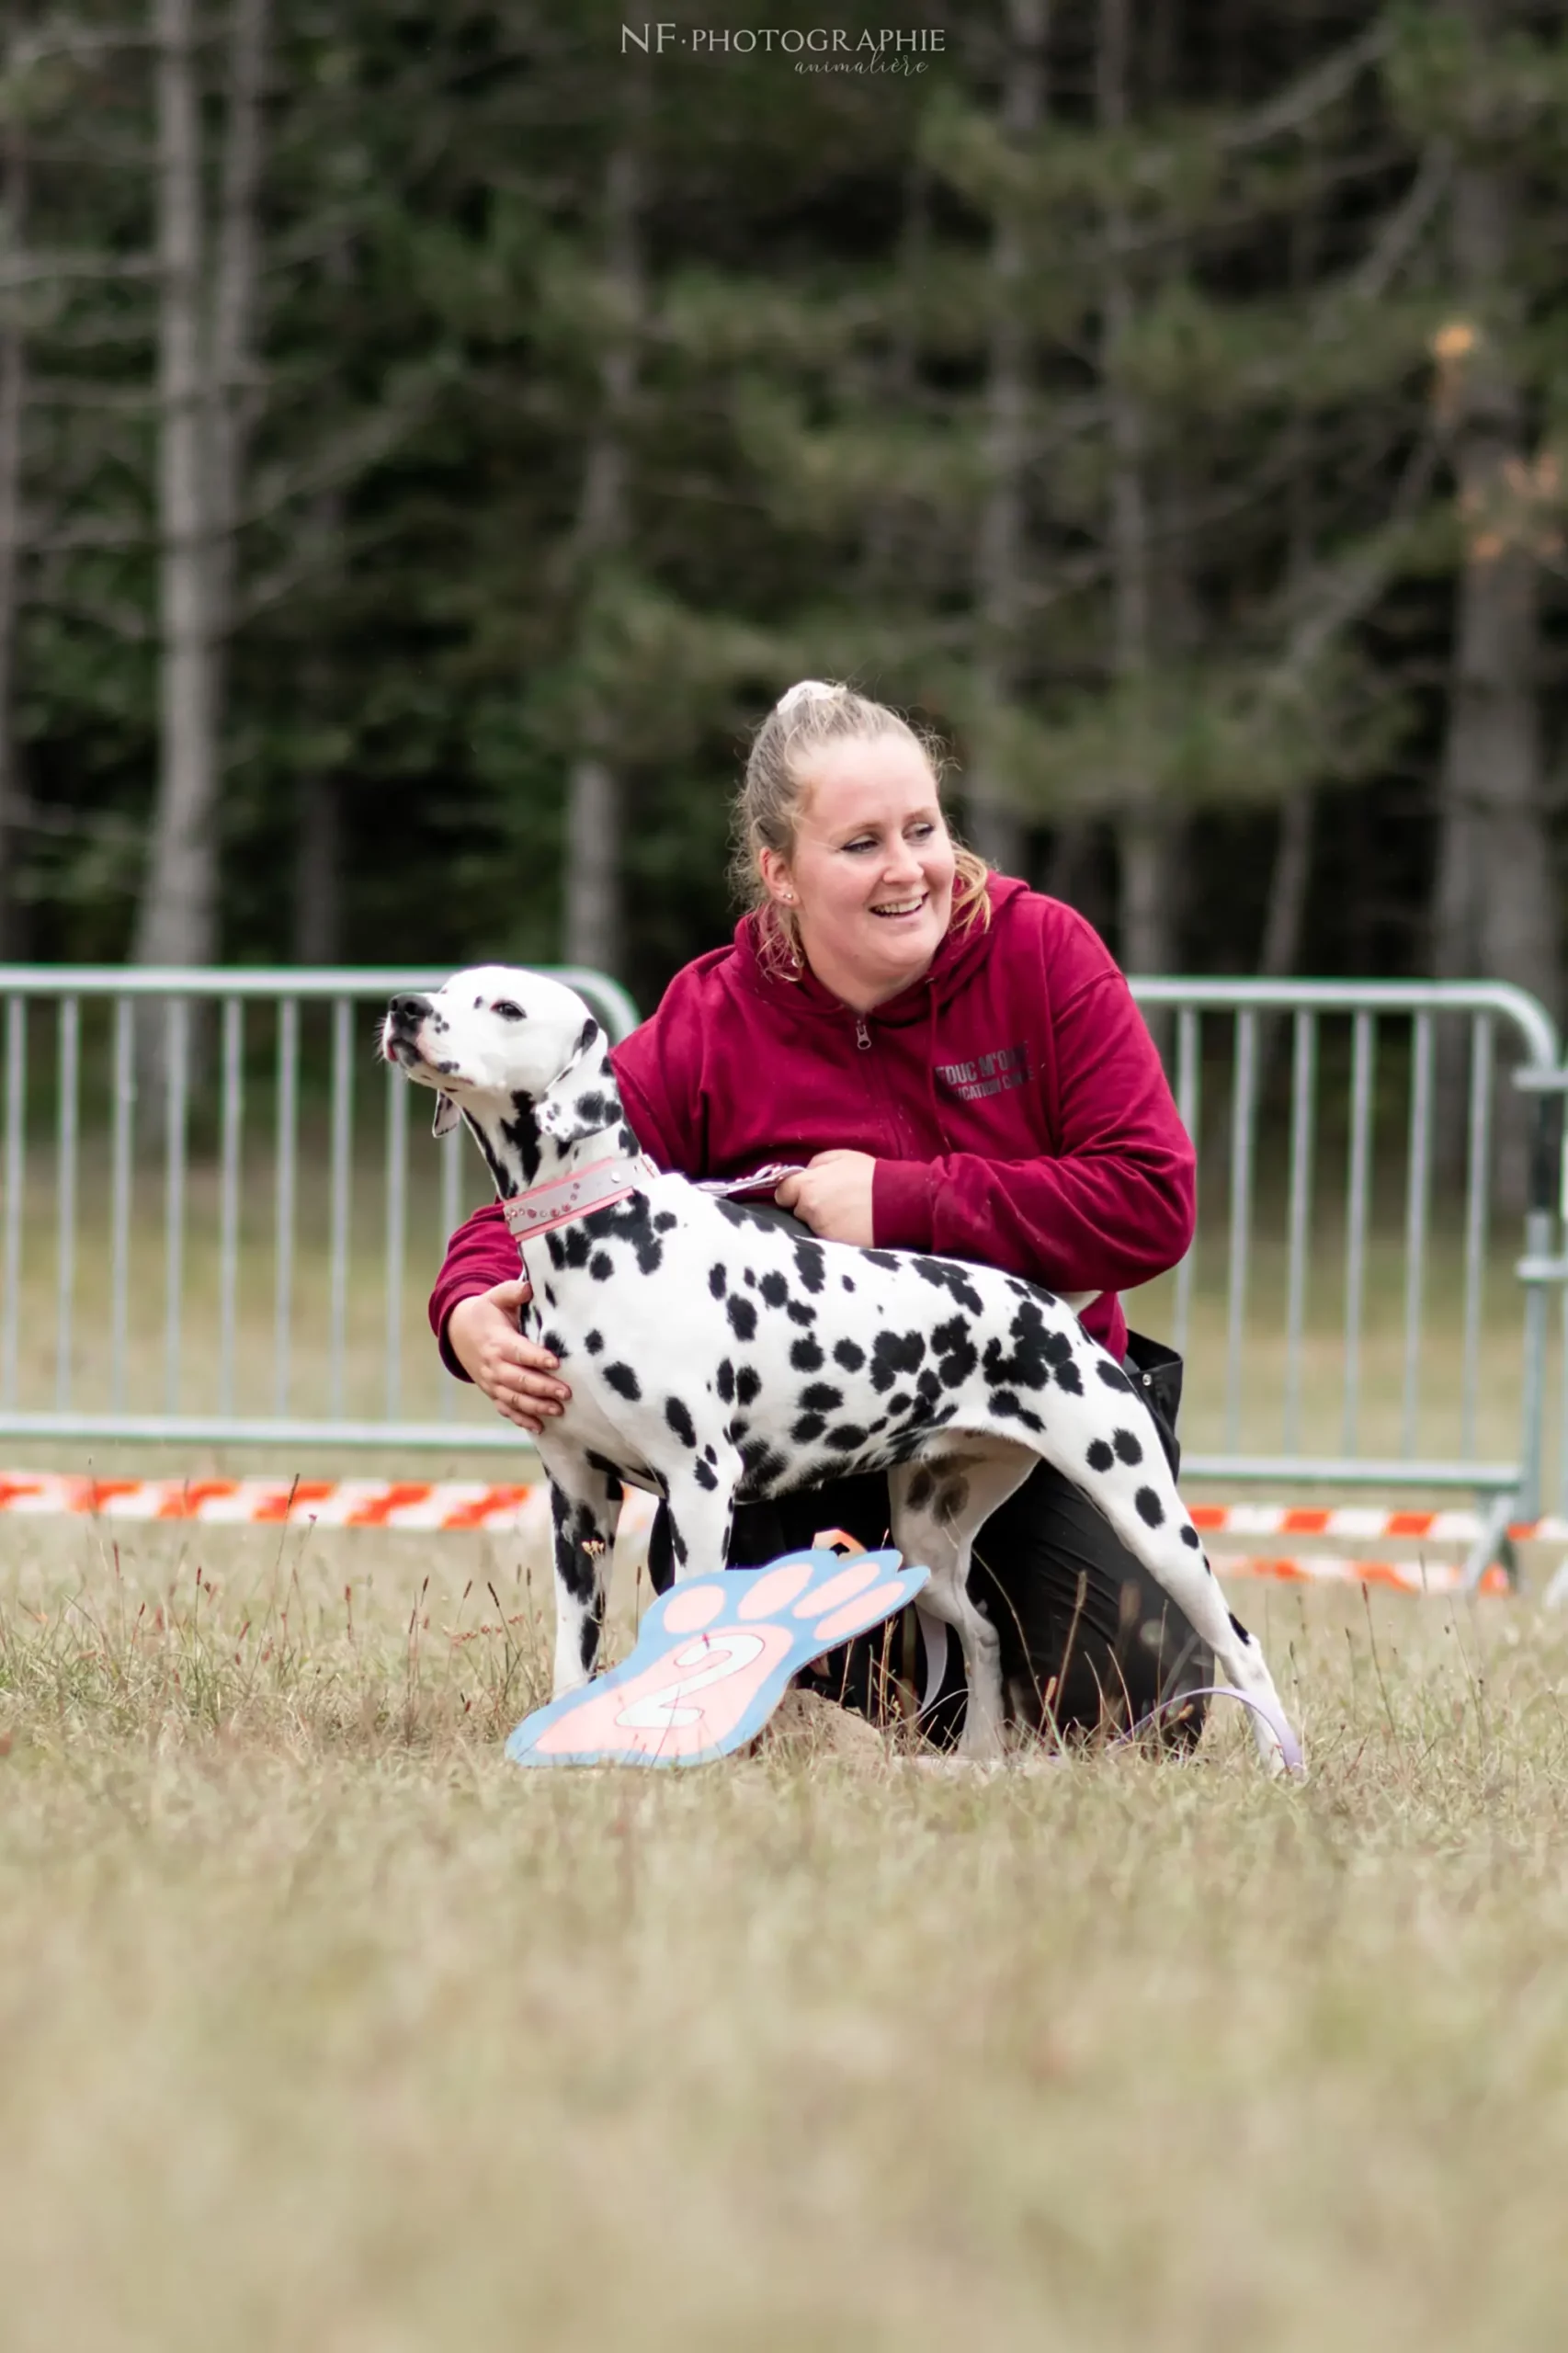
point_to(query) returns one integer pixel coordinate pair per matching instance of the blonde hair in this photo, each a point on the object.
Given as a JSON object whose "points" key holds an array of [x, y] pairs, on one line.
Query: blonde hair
{"points": [[777, 777]]}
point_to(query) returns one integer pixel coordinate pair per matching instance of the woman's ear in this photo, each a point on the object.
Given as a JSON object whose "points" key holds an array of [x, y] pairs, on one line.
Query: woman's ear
{"points": [[774, 868]]}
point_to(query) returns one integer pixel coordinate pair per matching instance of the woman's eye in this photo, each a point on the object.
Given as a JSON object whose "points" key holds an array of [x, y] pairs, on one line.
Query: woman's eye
{"points": [[507, 1010]]}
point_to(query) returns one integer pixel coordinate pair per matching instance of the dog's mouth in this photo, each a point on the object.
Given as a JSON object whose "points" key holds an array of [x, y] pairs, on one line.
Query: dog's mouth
{"points": [[403, 1047]]}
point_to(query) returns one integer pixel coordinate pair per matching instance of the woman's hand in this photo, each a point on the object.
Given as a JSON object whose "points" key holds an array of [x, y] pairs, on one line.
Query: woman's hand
{"points": [[833, 1195], [514, 1373]]}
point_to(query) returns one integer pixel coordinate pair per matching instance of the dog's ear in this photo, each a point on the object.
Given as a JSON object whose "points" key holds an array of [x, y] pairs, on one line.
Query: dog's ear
{"points": [[446, 1116]]}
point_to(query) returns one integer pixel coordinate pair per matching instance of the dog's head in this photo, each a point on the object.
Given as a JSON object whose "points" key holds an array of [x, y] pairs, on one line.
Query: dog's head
{"points": [[509, 1050]]}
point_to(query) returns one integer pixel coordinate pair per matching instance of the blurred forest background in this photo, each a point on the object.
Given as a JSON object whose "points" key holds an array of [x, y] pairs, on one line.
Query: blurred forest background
{"points": [[431, 435]]}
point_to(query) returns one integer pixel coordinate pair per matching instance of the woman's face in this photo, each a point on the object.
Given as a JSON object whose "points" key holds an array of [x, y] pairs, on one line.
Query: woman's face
{"points": [[871, 870]]}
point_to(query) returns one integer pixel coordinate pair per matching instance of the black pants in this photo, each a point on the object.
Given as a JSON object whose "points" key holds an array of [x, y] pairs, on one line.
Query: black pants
{"points": [[1088, 1638]]}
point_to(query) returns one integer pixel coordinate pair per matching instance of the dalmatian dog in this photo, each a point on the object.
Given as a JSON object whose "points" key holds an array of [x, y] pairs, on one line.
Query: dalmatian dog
{"points": [[714, 1357]]}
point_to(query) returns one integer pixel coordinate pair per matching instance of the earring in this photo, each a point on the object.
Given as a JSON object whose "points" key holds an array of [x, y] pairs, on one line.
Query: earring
{"points": [[787, 898]]}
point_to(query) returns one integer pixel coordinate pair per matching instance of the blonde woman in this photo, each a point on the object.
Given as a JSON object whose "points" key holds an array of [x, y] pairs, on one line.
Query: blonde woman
{"points": [[957, 1065]]}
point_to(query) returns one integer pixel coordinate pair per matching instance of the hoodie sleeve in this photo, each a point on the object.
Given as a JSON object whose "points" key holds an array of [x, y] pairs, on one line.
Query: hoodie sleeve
{"points": [[480, 1254], [1112, 1206]]}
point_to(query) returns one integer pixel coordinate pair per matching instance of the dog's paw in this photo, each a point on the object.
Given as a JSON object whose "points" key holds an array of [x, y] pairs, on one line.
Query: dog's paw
{"points": [[713, 1659]]}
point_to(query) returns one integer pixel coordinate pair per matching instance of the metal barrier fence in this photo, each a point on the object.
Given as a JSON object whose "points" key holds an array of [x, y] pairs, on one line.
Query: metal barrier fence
{"points": [[242, 1256], [275, 1295], [1397, 1057]]}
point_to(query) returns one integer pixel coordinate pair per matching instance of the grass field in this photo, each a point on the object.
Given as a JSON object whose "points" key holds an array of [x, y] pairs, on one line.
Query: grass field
{"points": [[320, 2027]]}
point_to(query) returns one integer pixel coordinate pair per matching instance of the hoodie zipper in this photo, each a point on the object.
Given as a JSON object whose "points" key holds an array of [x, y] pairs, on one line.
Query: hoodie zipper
{"points": [[862, 1035]]}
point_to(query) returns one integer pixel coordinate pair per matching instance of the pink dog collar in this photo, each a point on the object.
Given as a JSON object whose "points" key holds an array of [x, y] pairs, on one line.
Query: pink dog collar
{"points": [[567, 1197]]}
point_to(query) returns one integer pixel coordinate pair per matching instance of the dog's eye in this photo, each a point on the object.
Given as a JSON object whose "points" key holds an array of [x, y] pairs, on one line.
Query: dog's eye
{"points": [[507, 1010]]}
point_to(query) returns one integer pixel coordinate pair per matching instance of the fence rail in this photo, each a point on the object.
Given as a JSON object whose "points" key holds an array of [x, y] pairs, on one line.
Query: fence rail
{"points": [[216, 1228]]}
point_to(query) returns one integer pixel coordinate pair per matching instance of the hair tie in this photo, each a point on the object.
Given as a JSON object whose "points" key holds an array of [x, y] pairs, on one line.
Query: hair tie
{"points": [[808, 690]]}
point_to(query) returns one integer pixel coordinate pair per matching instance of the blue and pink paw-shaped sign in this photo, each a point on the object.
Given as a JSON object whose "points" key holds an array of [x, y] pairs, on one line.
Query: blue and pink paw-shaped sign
{"points": [[712, 1658]]}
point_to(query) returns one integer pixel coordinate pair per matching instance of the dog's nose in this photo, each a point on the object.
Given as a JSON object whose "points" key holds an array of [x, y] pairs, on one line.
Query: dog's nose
{"points": [[408, 1012]]}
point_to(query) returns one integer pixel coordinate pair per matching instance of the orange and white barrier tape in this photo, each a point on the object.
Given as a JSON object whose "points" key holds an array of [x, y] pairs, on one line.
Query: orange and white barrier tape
{"points": [[409, 1504], [1335, 1568], [1361, 1523], [418, 1506]]}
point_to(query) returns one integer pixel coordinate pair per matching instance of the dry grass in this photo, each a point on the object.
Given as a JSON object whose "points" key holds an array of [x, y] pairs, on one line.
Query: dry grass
{"points": [[321, 2027]]}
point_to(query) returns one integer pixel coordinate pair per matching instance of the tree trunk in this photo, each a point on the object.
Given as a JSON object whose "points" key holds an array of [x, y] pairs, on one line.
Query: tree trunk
{"points": [[232, 394], [594, 930], [1145, 833], [1494, 909], [318, 873], [13, 402], [996, 824], [178, 917]]}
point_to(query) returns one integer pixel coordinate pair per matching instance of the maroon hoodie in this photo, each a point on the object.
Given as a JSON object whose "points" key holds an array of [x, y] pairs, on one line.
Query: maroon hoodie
{"points": [[1012, 1099]]}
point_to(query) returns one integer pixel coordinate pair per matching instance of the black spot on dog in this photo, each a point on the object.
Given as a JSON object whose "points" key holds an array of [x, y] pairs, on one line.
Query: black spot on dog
{"points": [[611, 1472], [811, 1263], [1112, 1375], [848, 1439], [680, 1421], [742, 1318], [894, 1353], [624, 1381], [761, 1465], [601, 1265], [880, 1258], [950, 1502], [1190, 1538], [1149, 1508], [724, 1380], [1100, 1455], [1127, 1447], [900, 1402], [928, 1388], [944, 1274], [749, 1278], [1012, 1406], [806, 1356], [851, 1355], [955, 1354], [717, 1280], [847, 1280], [1237, 1628], [593, 1342], [665, 1221], [630, 1220], [555, 1249], [774, 1289], [704, 1476], [808, 1426], [585, 1038], [552, 1340], [799, 1313], [748, 1383], [709, 1455], [595, 1111], [821, 1397]]}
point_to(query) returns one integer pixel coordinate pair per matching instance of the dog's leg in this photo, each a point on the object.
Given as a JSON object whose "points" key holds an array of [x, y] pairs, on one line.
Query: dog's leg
{"points": [[1159, 1530], [700, 1522], [935, 1507], [584, 1504]]}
